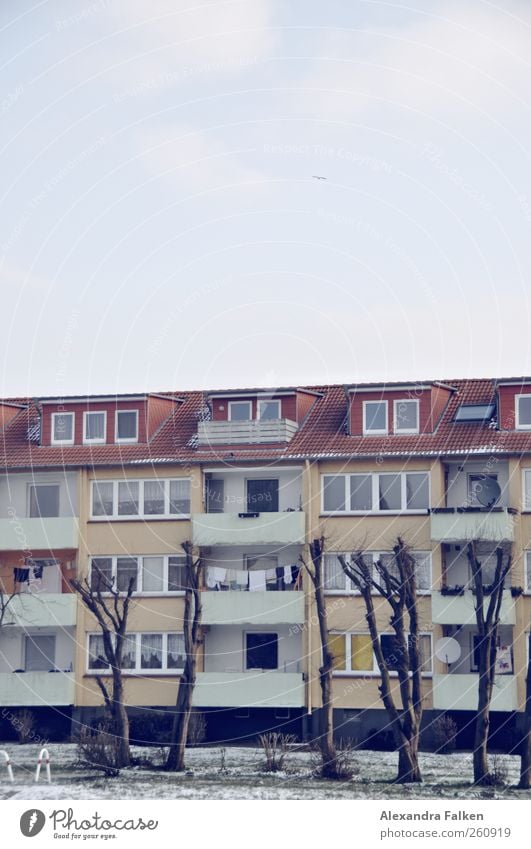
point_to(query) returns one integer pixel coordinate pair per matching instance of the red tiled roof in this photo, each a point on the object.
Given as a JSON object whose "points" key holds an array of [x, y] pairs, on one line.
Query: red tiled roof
{"points": [[323, 434]]}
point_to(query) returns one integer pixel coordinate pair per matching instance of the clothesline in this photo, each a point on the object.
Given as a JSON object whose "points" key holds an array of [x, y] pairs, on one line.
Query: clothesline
{"points": [[255, 580]]}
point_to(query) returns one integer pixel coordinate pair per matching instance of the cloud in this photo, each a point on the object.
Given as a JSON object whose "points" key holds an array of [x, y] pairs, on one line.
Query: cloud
{"points": [[468, 58]]}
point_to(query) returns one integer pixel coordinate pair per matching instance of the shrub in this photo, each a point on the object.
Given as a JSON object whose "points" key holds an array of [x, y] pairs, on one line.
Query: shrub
{"points": [[444, 733], [25, 722], [276, 747], [97, 749], [196, 729], [341, 767], [499, 772]]}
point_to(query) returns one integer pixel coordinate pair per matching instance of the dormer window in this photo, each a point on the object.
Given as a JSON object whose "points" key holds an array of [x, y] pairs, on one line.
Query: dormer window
{"points": [[240, 411], [375, 418], [269, 410], [126, 426], [523, 412], [62, 428], [94, 427], [406, 418]]}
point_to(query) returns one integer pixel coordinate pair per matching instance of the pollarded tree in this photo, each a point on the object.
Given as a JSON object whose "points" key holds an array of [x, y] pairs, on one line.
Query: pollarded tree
{"points": [[488, 621], [396, 583], [192, 634], [525, 763], [110, 609]]}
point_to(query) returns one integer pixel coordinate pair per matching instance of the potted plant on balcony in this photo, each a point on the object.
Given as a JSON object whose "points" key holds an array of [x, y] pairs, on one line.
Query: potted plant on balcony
{"points": [[456, 589]]}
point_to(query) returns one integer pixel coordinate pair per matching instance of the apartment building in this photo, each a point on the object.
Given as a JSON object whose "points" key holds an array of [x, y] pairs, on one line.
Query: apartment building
{"points": [[115, 485]]}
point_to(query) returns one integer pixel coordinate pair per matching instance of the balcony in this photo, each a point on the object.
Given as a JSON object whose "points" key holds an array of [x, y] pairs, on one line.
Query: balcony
{"points": [[255, 608], [42, 610], [254, 432], [50, 534], [249, 689], [460, 692], [210, 529], [25, 689], [460, 609], [454, 525]]}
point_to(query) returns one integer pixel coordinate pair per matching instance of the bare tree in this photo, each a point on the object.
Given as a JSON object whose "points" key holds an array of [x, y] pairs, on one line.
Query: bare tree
{"points": [[192, 633], [488, 621], [525, 763], [399, 588], [327, 746], [5, 600], [110, 609]]}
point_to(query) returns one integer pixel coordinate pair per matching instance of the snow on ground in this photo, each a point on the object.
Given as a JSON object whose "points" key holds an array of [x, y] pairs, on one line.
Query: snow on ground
{"points": [[237, 773]]}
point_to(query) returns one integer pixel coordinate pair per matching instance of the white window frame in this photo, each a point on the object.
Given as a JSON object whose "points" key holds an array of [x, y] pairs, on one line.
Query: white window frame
{"points": [[139, 572], [517, 411], [86, 414], [261, 401], [378, 432], [375, 673], [129, 439], [34, 485], [55, 441], [140, 516], [405, 430], [243, 401], [416, 511], [350, 589], [138, 670], [527, 588], [526, 499]]}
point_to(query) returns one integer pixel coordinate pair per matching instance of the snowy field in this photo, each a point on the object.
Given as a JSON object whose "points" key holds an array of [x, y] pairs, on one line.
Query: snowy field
{"points": [[237, 773]]}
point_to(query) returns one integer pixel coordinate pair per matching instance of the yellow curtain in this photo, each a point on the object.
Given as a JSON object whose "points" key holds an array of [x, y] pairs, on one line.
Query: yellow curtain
{"points": [[337, 647], [361, 648]]}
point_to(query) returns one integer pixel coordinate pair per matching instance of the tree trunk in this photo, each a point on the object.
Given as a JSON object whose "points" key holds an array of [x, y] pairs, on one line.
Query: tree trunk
{"points": [[120, 723], [181, 721], [326, 741], [525, 765], [408, 763]]}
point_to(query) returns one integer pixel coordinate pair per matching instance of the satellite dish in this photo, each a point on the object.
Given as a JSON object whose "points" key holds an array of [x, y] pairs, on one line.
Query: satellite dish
{"points": [[488, 492], [447, 649]]}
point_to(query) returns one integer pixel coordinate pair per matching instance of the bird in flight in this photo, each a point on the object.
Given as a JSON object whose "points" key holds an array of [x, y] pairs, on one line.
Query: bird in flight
{"points": [[318, 177]]}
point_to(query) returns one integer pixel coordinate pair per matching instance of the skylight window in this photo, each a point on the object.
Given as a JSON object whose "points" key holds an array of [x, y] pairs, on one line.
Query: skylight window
{"points": [[475, 413]]}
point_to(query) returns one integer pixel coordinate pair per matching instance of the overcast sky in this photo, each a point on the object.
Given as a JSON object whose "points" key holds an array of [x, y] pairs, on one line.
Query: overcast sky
{"points": [[161, 226]]}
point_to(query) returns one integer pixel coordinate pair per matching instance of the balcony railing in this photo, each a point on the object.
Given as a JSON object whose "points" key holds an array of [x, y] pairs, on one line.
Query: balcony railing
{"points": [[453, 524], [460, 609], [24, 689], [210, 529], [456, 691], [255, 608], [49, 534], [249, 432], [42, 610], [249, 689]]}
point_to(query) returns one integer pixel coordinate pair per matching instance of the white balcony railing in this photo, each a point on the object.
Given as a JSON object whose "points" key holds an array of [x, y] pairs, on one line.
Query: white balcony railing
{"points": [[249, 689], [24, 689], [460, 692], [460, 609], [50, 534], [210, 529], [42, 610], [454, 526], [248, 432], [256, 608]]}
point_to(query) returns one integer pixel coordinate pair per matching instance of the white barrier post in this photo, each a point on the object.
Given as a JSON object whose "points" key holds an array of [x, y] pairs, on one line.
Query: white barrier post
{"points": [[44, 758], [7, 760]]}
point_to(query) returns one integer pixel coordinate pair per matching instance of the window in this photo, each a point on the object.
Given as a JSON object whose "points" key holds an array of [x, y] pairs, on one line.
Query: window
{"points": [[95, 427], [336, 580], [62, 428], [151, 574], [240, 411], [374, 417], [141, 652], [527, 489], [523, 412], [126, 426], [475, 413], [376, 492], [353, 653], [262, 496], [528, 572], [406, 416], [141, 499], [40, 653], [261, 651], [268, 410], [43, 500]]}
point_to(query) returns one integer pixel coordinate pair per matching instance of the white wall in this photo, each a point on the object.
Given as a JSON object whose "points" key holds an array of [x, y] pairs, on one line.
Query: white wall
{"points": [[458, 481], [225, 648], [12, 646], [289, 488], [14, 492]]}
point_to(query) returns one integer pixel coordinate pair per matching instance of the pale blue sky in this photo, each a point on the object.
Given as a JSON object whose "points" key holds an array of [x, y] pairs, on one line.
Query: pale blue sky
{"points": [[160, 225]]}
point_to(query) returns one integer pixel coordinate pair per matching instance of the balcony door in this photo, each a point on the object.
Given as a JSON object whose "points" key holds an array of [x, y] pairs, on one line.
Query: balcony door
{"points": [[262, 495], [40, 653], [215, 495]]}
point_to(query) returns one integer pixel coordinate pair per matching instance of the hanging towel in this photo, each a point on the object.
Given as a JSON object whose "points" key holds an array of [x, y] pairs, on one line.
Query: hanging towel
{"points": [[271, 575], [211, 583], [242, 578], [288, 578], [21, 576], [257, 581], [295, 572], [231, 576], [218, 574], [280, 572]]}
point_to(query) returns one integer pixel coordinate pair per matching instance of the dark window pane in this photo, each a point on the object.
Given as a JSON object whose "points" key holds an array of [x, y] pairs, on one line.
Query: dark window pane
{"points": [[334, 493], [375, 416], [180, 497], [128, 498], [262, 651], [126, 568], [126, 425], [417, 491], [262, 496], [44, 500], [101, 574], [390, 492], [153, 498], [102, 497], [361, 492], [176, 574]]}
